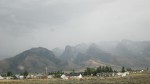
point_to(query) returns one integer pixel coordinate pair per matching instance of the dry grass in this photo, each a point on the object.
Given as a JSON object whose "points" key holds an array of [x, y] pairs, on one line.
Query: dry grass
{"points": [[140, 78]]}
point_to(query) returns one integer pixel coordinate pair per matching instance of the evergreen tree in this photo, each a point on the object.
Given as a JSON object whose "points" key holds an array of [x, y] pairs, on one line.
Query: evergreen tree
{"points": [[9, 73], [103, 69], [123, 69], [99, 69], [88, 71], [93, 71], [25, 73], [106, 69], [128, 69], [73, 72], [110, 69]]}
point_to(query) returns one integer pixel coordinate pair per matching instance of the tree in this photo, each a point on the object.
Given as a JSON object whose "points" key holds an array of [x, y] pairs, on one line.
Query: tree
{"points": [[88, 71], [25, 73], [99, 69], [93, 71], [73, 72], [9, 73], [107, 69], [128, 69], [123, 69], [147, 68], [110, 69], [57, 74], [103, 69]]}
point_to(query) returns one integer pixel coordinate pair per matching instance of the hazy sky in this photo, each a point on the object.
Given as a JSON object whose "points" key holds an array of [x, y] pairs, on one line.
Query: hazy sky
{"points": [[55, 23]]}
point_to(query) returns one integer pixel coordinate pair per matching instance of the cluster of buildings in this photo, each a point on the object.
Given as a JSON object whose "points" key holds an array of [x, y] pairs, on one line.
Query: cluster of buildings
{"points": [[42, 76], [68, 76], [112, 74], [31, 76]]}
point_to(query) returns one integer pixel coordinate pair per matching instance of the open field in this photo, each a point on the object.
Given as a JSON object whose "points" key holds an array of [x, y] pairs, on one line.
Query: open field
{"points": [[138, 78]]}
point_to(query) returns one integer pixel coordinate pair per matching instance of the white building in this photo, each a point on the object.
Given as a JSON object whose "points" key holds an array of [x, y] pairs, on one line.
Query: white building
{"points": [[123, 74], [1, 78], [71, 76]]}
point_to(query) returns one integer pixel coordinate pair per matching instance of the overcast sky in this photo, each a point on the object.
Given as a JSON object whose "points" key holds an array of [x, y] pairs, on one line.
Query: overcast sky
{"points": [[55, 23]]}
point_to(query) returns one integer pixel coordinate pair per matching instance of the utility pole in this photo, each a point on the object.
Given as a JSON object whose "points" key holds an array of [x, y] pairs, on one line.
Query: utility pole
{"points": [[46, 70], [46, 75]]}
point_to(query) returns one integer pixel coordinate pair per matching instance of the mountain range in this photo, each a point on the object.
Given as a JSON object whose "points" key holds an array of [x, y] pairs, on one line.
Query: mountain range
{"points": [[132, 54]]}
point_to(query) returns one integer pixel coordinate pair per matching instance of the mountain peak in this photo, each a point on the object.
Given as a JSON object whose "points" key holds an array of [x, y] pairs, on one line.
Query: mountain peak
{"points": [[32, 60], [39, 49]]}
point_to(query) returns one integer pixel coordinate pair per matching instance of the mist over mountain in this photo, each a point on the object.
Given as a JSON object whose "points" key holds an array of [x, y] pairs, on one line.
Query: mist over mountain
{"points": [[133, 54], [57, 51]]}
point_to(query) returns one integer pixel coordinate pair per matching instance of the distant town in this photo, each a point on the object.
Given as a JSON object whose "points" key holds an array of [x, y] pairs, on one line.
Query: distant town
{"points": [[101, 72]]}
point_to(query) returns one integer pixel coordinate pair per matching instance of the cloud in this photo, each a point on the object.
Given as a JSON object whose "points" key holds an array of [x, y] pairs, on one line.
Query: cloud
{"points": [[56, 23]]}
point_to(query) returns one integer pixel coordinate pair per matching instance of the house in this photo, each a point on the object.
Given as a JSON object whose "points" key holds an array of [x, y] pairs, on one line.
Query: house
{"points": [[19, 76], [30, 76], [64, 77], [1, 78], [49, 76], [39, 76], [8, 78], [122, 74], [141, 71], [72, 76], [107, 74], [80, 76]]}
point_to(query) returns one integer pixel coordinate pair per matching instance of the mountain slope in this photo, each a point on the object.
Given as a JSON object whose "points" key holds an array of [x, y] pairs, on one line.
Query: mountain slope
{"points": [[94, 57], [33, 60], [69, 54], [135, 54]]}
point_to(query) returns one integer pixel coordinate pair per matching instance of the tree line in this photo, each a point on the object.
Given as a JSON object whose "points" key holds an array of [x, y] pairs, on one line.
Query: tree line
{"points": [[100, 69]]}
